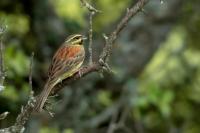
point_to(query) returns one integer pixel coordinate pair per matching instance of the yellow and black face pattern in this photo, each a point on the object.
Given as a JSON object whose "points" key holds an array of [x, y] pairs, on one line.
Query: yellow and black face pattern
{"points": [[75, 39]]}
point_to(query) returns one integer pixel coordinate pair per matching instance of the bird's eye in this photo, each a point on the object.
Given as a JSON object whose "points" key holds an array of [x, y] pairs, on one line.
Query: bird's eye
{"points": [[76, 38]]}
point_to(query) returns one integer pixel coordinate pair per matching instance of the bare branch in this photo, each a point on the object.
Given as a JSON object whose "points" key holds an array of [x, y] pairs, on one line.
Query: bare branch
{"points": [[3, 115], [122, 24], [2, 69], [28, 109], [90, 38], [2, 73], [84, 71], [25, 114], [113, 124], [22, 118], [31, 71], [107, 48], [1, 63], [92, 11], [103, 116], [89, 7]]}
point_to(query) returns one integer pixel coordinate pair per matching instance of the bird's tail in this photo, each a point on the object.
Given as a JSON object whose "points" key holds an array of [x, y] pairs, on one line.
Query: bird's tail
{"points": [[41, 99]]}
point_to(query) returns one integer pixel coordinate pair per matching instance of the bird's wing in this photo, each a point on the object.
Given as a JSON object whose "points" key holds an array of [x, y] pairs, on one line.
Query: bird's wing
{"points": [[65, 62]]}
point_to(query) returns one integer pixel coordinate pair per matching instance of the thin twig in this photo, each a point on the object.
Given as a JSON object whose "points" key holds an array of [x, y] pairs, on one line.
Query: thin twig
{"points": [[113, 125], [2, 69], [2, 72], [122, 24], [89, 7], [90, 38], [95, 67], [31, 71], [3, 115], [116, 124], [28, 109], [1, 62], [92, 11]]}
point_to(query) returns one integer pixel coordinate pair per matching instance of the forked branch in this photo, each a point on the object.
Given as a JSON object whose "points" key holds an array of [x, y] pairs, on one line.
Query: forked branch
{"points": [[27, 110], [104, 56]]}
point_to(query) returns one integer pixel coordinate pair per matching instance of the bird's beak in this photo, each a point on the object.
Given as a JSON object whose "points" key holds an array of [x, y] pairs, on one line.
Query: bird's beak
{"points": [[84, 38]]}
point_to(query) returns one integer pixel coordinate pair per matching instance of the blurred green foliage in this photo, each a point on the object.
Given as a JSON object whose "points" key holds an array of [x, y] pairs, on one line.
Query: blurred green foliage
{"points": [[165, 96], [104, 98], [17, 24], [70, 9], [115, 7], [191, 22], [20, 65]]}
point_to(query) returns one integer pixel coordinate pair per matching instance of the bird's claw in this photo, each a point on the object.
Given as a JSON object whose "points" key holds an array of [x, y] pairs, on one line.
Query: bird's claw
{"points": [[50, 112], [80, 73], [105, 66], [60, 80], [48, 108]]}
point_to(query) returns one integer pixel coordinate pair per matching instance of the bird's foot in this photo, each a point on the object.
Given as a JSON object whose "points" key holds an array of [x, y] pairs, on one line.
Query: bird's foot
{"points": [[48, 105], [60, 80], [105, 66], [80, 73]]}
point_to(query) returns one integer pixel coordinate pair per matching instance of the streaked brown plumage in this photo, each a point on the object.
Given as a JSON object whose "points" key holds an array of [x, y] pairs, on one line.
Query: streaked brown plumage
{"points": [[66, 61]]}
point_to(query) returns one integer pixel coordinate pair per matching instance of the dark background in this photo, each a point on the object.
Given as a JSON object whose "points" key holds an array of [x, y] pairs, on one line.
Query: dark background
{"points": [[155, 87]]}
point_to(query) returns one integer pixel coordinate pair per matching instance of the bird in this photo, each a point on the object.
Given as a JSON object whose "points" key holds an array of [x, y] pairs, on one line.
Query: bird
{"points": [[66, 61]]}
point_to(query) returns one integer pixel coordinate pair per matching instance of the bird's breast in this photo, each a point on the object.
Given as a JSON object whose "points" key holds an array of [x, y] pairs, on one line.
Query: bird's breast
{"points": [[69, 51]]}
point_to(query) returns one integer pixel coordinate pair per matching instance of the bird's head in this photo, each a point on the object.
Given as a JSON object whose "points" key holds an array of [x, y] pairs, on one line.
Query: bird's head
{"points": [[75, 39]]}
